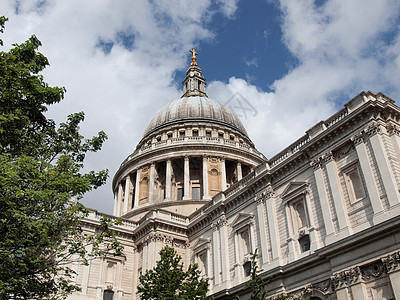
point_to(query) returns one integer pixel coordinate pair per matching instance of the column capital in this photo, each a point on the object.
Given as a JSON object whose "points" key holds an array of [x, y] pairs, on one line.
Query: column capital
{"points": [[346, 278], [327, 157], [316, 164], [392, 262], [372, 129], [358, 138], [186, 157]]}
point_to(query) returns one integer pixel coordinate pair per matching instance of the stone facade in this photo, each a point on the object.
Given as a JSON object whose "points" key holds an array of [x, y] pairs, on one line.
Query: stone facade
{"points": [[324, 213]]}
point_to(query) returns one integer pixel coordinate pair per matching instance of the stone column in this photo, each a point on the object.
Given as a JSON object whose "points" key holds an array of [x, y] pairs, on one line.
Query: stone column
{"points": [[186, 180], [323, 199], [137, 185], [119, 206], [370, 182], [127, 194], [151, 183], [168, 180], [206, 194], [223, 174], [115, 202], [383, 163], [262, 229], [340, 205], [239, 170]]}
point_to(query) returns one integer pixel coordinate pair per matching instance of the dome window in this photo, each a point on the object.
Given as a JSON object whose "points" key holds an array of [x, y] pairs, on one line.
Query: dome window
{"points": [[195, 132], [169, 135], [181, 134], [208, 133], [221, 135], [232, 137]]}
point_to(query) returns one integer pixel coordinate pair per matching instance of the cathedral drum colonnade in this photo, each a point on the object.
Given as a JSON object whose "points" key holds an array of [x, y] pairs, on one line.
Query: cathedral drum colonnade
{"points": [[192, 149]]}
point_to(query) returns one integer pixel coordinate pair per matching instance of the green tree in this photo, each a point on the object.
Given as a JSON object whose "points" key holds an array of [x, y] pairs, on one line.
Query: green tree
{"points": [[41, 183], [257, 283], [168, 281]]}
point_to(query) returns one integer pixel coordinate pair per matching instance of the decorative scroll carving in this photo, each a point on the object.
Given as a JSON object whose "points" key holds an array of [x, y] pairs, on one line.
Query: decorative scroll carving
{"points": [[373, 270], [343, 151], [345, 278], [392, 262], [358, 139], [269, 192], [393, 129], [316, 164], [372, 129], [327, 157]]}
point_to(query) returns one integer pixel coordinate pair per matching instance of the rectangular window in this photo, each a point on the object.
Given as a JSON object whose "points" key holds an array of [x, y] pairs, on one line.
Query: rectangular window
{"points": [[245, 244], [180, 194], [196, 193], [354, 184], [202, 262]]}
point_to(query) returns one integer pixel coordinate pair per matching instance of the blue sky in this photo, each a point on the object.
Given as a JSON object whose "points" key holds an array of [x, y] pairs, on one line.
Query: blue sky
{"points": [[293, 63]]}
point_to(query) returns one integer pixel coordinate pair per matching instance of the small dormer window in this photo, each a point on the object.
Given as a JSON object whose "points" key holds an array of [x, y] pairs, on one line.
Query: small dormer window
{"points": [[195, 132], [221, 135], [182, 134], [232, 137], [208, 133], [169, 135]]}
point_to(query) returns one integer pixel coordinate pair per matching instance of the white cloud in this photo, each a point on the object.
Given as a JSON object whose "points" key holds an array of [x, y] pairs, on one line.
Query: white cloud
{"points": [[120, 90]]}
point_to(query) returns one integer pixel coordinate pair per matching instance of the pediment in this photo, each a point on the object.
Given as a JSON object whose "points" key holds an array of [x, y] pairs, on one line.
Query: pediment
{"points": [[241, 219], [201, 243], [293, 189]]}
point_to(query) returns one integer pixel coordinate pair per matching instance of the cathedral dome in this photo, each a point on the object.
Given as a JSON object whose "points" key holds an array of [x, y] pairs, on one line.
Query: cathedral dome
{"points": [[194, 108]]}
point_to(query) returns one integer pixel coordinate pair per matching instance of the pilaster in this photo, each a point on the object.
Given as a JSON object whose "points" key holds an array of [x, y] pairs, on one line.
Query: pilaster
{"points": [[385, 170], [323, 199], [340, 205], [371, 184]]}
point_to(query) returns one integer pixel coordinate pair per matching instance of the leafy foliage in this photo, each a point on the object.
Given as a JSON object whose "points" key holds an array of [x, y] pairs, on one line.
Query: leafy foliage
{"points": [[41, 183], [257, 283], [168, 280]]}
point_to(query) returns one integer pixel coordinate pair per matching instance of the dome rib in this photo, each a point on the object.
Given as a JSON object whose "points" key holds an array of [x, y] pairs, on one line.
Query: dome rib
{"points": [[191, 109]]}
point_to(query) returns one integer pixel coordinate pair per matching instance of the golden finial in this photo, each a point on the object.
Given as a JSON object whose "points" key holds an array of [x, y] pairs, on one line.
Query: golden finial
{"points": [[194, 58]]}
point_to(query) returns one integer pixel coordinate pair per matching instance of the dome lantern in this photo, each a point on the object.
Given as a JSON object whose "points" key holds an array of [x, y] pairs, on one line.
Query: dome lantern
{"points": [[194, 84]]}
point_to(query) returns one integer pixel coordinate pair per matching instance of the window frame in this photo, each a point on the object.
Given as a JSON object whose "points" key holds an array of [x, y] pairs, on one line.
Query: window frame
{"points": [[349, 183]]}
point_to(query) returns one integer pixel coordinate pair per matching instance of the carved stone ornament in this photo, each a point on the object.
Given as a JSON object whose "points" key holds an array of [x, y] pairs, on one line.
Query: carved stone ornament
{"points": [[373, 270], [327, 157], [393, 129], [316, 164], [269, 192], [358, 139], [372, 129], [346, 278], [222, 221], [344, 150], [392, 262], [258, 198]]}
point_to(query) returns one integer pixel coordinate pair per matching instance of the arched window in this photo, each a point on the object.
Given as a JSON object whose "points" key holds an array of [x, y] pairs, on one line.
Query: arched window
{"points": [[144, 190], [214, 181]]}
